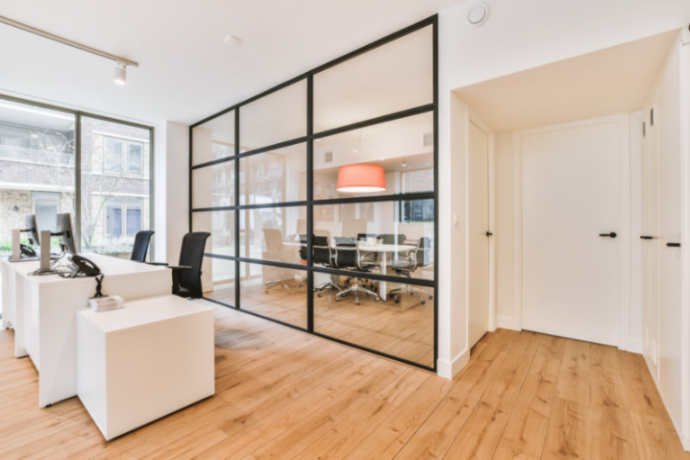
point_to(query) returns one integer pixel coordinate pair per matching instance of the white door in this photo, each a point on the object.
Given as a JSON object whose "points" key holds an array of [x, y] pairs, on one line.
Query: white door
{"points": [[570, 196], [478, 143]]}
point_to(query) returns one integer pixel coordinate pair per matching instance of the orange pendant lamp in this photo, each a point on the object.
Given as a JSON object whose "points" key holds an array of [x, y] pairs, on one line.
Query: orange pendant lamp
{"points": [[361, 178]]}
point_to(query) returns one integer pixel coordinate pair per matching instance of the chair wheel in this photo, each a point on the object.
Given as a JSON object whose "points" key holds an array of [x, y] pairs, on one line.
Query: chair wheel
{"points": [[356, 302], [397, 300], [337, 299], [377, 299], [320, 294], [423, 302], [431, 297]]}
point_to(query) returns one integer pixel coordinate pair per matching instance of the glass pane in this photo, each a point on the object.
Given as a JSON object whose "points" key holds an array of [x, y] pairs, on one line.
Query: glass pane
{"points": [[275, 118], [394, 238], [214, 139], [36, 167], [134, 158], [403, 148], [218, 278], [113, 155], [214, 186], [404, 329], [133, 221], [272, 233], [274, 177], [388, 79], [221, 226], [275, 292], [115, 196]]}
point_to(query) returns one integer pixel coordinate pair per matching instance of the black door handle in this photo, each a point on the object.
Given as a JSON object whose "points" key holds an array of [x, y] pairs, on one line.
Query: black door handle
{"points": [[610, 235], [489, 233], [673, 245], [646, 237]]}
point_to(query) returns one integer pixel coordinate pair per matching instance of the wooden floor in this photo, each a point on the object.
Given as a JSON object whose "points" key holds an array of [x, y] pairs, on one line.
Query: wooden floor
{"points": [[284, 394], [404, 330]]}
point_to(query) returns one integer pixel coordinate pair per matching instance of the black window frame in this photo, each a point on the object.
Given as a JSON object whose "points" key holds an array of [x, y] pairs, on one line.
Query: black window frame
{"points": [[310, 202]]}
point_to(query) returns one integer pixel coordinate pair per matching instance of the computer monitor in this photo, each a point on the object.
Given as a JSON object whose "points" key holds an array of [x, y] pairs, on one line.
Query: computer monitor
{"points": [[65, 230], [31, 228]]}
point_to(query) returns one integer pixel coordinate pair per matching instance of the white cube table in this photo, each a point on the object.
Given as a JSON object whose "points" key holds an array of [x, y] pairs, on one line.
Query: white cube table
{"points": [[144, 361]]}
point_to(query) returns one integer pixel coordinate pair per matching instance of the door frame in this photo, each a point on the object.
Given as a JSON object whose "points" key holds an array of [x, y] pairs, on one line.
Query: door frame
{"points": [[475, 119], [624, 231]]}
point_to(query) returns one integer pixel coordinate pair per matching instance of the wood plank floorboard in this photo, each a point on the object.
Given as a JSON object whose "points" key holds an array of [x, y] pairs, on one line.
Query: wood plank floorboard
{"points": [[283, 394]]}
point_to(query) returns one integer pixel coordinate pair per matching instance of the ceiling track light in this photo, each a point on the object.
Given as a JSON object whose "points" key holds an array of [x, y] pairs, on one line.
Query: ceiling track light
{"points": [[121, 73], [122, 63]]}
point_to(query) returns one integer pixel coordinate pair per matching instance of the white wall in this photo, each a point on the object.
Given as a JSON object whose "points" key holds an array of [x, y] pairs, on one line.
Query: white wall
{"points": [[518, 36], [176, 149]]}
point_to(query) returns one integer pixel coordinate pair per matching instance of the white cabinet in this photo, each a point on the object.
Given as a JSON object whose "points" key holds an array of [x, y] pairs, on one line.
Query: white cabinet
{"points": [[143, 362]]}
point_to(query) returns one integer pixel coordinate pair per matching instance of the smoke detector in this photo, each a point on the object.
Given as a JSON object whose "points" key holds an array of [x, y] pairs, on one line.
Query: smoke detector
{"points": [[478, 15]]}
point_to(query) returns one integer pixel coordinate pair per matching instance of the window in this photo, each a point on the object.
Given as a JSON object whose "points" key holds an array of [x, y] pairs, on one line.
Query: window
{"points": [[121, 217], [115, 150], [415, 211], [113, 155], [115, 184], [38, 151], [114, 222], [37, 166], [134, 158]]}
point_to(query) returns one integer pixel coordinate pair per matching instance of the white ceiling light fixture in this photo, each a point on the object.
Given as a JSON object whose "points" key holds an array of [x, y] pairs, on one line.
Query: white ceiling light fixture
{"points": [[478, 15], [121, 73]]}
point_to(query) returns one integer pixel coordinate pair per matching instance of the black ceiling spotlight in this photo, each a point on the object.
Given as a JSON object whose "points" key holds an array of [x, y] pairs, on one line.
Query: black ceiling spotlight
{"points": [[16, 208]]}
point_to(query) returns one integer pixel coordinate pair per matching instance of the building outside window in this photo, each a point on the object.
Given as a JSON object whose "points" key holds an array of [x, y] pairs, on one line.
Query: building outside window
{"points": [[38, 173]]}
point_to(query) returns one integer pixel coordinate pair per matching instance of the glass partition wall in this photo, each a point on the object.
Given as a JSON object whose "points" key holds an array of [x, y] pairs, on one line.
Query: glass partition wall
{"points": [[320, 196]]}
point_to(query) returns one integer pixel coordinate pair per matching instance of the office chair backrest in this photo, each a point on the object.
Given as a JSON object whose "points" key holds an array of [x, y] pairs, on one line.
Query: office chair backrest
{"points": [[390, 238], [274, 241], [303, 247], [364, 236], [322, 251], [141, 245], [346, 258], [423, 252], [192, 255]]}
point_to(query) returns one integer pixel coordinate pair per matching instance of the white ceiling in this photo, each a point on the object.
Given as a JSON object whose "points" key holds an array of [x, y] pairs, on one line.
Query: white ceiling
{"points": [[186, 71], [607, 82]]}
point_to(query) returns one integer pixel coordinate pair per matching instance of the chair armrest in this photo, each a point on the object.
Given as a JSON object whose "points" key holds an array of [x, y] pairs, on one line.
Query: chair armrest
{"points": [[160, 264], [180, 267]]}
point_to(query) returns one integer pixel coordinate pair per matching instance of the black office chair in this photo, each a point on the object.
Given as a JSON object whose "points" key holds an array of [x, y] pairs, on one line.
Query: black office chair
{"points": [[419, 257], [187, 275], [322, 254], [348, 257], [141, 245]]}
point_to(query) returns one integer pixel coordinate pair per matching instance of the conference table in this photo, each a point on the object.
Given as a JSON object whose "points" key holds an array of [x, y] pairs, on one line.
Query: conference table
{"points": [[42, 312], [385, 253]]}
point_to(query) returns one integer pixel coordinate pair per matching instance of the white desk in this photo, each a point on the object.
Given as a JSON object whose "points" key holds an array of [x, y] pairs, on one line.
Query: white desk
{"points": [[144, 361], [41, 309]]}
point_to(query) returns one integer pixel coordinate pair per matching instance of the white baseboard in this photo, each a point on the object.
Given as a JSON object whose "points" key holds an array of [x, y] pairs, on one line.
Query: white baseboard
{"points": [[506, 322], [449, 369], [633, 346]]}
